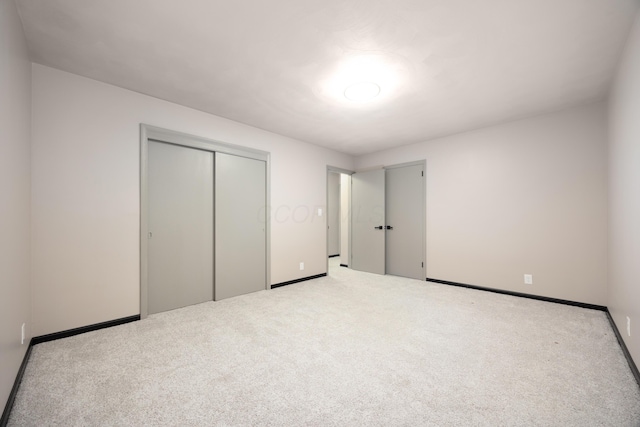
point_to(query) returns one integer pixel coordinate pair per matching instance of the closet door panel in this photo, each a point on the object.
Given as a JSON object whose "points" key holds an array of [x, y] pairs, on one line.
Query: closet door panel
{"points": [[240, 227], [180, 223]]}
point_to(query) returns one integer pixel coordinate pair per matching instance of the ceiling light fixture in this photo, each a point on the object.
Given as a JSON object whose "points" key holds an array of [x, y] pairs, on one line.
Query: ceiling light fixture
{"points": [[361, 81], [362, 91]]}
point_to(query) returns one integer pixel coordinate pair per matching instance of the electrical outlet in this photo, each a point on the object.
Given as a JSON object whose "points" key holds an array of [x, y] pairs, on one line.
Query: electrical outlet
{"points": [[301, 266], [528, 279], [628, 326], [23, 326], [319, 211]]}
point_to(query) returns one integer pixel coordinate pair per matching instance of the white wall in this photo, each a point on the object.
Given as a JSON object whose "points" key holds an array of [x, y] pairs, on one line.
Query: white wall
{"points": [[527, 196], [15, 125], [86, 196], [624, 195]]}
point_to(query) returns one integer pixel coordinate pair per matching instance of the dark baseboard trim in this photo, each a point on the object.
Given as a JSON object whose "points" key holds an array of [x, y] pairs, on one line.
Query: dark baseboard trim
{"points": [[623, 346], [84, 329], [291, 282], [51, 337], [333, 256], [523, 295], [344, 265], [16, 384]]}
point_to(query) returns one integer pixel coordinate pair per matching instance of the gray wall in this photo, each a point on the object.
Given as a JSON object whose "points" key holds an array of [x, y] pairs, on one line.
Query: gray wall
{"points": [[527, 196], [15, 125], [624, 195]]}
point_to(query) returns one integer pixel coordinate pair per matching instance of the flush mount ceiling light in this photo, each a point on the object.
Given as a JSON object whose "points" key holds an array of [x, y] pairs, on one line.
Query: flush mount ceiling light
{"points": [[357, 79], [362, 91]]}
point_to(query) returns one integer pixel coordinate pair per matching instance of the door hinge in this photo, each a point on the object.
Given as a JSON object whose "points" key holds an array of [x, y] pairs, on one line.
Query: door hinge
{"points": [[422, 173], [423, 265]]}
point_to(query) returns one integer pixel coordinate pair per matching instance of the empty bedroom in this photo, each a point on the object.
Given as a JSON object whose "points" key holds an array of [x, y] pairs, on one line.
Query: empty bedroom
{"points": [[338, 212]]}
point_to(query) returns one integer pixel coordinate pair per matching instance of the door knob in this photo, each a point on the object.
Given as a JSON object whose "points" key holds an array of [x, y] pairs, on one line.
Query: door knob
{"points": [[389, 227], [379, 227]]}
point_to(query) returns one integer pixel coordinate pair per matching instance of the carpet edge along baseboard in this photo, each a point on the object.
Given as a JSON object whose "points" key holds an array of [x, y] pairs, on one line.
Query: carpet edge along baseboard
{"points": [[521, 294], [4, 420], [84, 329], [302, 279], [623, 346]]}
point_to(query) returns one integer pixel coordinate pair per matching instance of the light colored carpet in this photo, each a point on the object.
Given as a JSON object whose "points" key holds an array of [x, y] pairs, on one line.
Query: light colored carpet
{"points": [[346, 350]]}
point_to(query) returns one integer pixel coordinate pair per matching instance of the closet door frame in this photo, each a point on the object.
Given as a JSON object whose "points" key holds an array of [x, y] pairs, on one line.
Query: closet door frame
{"points": [[152, 133]]}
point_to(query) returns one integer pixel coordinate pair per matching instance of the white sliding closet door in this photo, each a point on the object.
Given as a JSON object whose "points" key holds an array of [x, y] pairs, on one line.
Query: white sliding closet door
{"points": [[180, 241], [240, 226]]}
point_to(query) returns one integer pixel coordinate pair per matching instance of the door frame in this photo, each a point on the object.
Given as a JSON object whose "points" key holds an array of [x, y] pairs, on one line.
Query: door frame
{"points": [[153, 133], [333, 169]]}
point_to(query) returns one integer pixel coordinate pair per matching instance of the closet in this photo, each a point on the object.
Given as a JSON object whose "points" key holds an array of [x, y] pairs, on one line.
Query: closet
{"points": [[203, 220]]}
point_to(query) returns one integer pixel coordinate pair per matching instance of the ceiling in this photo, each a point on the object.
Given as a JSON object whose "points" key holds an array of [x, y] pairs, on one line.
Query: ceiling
{"points": [[443, 66]]}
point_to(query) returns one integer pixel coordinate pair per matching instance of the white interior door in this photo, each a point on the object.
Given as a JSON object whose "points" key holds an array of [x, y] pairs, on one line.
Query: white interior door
{"points": [[180, 223], [368, 221], [240, 229], [405, 221]]}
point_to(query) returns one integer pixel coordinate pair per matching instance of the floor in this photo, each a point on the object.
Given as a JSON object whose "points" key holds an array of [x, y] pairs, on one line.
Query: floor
{"points": [[349, 349]]}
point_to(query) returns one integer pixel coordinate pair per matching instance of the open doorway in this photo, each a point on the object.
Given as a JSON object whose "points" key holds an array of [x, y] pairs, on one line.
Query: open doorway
{"points": [[333, 214], [338, 217]]}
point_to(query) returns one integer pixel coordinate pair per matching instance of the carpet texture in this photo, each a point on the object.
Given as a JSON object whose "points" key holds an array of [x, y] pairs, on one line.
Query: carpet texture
{"points": [[345, 350]]}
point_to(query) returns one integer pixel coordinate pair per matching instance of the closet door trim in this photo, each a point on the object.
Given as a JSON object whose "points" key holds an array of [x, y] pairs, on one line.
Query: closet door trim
{"points": [[153, 133]]}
